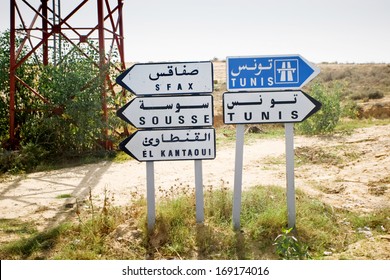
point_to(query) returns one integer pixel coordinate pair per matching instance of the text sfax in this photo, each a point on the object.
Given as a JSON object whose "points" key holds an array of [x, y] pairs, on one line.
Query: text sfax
{"points": [[174, 87]]}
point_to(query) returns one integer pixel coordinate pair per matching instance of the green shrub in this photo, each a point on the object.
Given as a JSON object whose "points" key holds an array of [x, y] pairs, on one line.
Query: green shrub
{"points": [[350, 109], [26, 159], [326, 119], [375, 94]]}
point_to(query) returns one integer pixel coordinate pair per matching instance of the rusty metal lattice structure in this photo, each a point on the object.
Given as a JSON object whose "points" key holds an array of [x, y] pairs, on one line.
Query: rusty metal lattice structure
{"points": [[42, 24]]}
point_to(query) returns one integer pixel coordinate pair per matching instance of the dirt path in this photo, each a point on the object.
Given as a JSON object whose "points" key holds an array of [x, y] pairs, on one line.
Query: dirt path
{"points": [[350, 171]]}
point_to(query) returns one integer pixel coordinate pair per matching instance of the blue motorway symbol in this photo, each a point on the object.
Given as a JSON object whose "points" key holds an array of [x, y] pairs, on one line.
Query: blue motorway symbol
{"points": [[268, 73]]}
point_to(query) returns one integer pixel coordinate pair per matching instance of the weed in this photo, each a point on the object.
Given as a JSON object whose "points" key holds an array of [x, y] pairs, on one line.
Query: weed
{"points": [[316, 155], [373, 220], [337, 155], [12, 226], [274, 160], [289, 248], [121, 157], [62, 196], [375, 94], [350, 109], [34, 247], [379, 187], [218, 204]]}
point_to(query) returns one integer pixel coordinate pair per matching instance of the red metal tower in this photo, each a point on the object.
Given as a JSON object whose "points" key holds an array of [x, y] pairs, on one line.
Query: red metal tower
{"points": [[41, 25]]}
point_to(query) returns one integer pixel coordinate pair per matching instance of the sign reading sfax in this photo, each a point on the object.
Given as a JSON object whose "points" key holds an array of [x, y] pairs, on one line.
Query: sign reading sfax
{"points": [[168, 78]]}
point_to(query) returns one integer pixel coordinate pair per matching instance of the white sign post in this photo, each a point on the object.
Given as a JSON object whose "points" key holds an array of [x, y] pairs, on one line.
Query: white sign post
{"points": [[265, 89], [240, 131], [289, 135], [199, 199], [150, 195], [167, 100]]}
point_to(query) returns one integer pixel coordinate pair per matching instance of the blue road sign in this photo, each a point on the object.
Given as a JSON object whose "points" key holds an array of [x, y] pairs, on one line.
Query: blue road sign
{"points": [[265, 73]]}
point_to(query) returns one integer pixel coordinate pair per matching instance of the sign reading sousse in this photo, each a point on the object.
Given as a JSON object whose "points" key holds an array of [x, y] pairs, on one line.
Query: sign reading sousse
{"points": [[169, 111]]}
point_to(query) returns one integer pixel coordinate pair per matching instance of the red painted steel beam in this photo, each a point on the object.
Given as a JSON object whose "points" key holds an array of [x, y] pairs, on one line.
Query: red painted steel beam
{"points": [[45, 37], [121, 34], [103, 72], [12, 80]]}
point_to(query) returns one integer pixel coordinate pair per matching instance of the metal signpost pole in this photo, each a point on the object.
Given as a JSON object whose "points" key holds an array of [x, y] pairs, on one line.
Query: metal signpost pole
{"points": [[240, 131], [199, 200], [289, 138], [150, 192]]}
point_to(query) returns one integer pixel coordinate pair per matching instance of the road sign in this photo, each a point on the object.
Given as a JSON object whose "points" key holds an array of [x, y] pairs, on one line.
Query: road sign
{"points": [[174, 144], [168, 78], [169, 111], [268, 107], [173, 95], [258, 73]]}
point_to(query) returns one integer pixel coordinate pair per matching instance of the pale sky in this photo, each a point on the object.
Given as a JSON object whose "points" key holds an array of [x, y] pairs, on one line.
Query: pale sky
{"points": [[321, 31]]}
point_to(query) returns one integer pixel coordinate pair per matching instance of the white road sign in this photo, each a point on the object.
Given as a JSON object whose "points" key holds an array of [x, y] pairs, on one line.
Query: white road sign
{"points": [[168, 78], [169, 111], [174, 144], [268, 107]]}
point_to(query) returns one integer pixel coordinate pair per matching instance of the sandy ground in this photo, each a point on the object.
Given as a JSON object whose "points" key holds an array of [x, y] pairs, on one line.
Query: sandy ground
{"points": [[350, 172]]}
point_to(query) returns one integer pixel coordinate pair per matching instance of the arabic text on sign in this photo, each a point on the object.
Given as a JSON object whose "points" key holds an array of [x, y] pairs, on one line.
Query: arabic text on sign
{"points": [[175, 144], [268, 107], [168, 78], [273, 102], [197, 137], [257, 68], [156, 76], [177, 107]]}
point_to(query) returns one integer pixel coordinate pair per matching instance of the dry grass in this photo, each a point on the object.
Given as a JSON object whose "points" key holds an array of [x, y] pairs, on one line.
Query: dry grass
{"points": [[108, 232]]}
